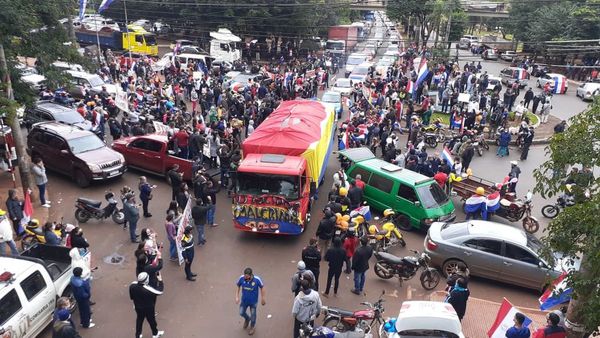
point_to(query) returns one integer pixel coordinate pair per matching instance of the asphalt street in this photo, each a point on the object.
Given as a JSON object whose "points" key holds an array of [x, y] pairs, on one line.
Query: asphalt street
{"points": [[206, 308]]}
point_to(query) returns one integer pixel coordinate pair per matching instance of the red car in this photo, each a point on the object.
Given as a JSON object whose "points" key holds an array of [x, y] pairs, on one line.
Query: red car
{"points": [[150, 153]]}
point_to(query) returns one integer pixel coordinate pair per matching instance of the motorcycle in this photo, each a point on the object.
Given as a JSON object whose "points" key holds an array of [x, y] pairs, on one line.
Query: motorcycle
{"points": [[35, 234], [88, 208], [389, 235], [368, 320], [307, 331], [480, 143], [514, 209], [567, 199], [436, 129], [406, 268]]}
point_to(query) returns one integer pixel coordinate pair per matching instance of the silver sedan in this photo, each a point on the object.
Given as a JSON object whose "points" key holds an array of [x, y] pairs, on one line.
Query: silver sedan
{"points": [[491, 250]]}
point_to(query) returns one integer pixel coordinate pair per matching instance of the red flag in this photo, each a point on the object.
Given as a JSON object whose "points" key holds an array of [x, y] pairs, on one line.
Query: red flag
{"points": [[27, 211]]}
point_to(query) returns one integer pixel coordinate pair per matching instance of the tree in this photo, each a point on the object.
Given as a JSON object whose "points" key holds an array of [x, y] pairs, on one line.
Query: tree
{"points": [[29, 28], [419, 12], [575, 232]]}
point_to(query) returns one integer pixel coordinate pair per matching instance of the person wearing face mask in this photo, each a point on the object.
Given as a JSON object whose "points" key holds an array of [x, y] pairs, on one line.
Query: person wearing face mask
{"points": [[307, 306], [144, 302]]}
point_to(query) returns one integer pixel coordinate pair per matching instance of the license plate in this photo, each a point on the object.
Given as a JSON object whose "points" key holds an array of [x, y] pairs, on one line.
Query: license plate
{"points": [[372, 241], [113, 173]]}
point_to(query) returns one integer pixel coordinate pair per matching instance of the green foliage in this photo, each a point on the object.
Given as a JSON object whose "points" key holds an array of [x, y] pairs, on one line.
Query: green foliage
{"points": [[30, 28], [459, 25], [576, 230]]}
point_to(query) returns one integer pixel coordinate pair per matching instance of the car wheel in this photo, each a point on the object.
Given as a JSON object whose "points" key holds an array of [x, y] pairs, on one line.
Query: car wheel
{"points": [[81, 180], [403, 223], [450, 266]]}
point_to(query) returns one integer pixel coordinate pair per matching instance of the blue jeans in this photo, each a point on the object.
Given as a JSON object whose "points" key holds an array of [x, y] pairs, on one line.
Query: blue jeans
{"points": [[42, 189], [201, 238], [85, 313], [13, 248], [252, 317], [210, 216], [172, 249], [359, 281], [132, 229]]}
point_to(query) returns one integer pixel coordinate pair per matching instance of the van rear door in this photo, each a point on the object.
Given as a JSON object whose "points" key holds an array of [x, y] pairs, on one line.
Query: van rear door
{"points": [[38, 290]]}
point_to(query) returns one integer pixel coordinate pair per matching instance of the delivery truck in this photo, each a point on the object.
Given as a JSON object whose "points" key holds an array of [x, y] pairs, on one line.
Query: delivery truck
{"points": [[284, 161], [342, 39], [136, 39]]}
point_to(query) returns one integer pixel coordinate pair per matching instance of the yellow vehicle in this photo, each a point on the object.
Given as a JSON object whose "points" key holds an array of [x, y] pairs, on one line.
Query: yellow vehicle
{"points": [[388, 236], [136, 40]]}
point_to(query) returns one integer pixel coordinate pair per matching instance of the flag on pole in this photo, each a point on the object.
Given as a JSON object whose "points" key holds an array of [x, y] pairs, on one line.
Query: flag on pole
{"points": [[422, 72], [410, 87], [343, 144], [446, 155], [104, 5], [82, 6], [559, 293], [27, 212], [184, 220], [560, 82], [504, 320]]}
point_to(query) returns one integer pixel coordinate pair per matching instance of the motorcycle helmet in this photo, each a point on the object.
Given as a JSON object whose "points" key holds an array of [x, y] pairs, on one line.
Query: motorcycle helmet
{"points": [[343, 191], [388, 212], [2, 212], [373, 230], [34, 222], [480, 191]]}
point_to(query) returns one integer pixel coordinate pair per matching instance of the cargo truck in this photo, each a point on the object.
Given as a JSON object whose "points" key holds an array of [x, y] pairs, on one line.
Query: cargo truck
{"points": [[137, 40], [284, 161], [342, 39]]}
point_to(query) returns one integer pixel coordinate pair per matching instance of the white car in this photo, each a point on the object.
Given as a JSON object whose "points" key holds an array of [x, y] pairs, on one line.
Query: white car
{"points": [[383, 65], [509, 55], [588, 90], [354, 60], [551, 78], [427, 319], [361, 72], [343, 86]]}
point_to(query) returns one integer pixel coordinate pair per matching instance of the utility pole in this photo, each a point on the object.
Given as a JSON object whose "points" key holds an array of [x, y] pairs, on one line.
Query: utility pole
{"points": [[23, 158], [449, 25]]}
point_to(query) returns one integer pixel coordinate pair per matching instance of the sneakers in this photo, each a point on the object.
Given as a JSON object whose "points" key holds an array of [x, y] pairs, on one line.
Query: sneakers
{"points": [[158, 334], [246, 322], [46, 205], [354, 291], [251, 331], [325, 294], [89, 326]]}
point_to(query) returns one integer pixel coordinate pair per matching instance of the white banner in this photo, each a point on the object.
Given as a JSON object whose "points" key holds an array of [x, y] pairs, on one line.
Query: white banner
{"points": [[184, 220], [121, 100]]}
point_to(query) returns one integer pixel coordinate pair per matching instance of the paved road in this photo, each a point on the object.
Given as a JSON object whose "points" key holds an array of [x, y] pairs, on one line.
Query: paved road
{"points": [[206, 308]]}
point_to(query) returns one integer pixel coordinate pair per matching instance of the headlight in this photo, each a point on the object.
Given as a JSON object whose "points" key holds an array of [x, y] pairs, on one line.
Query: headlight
{"points": [[94, 168], [428, 220]]}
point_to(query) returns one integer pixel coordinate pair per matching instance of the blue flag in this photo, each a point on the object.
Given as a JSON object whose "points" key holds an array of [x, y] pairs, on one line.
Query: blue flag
{"points": [[104, 5], [82, 6]]}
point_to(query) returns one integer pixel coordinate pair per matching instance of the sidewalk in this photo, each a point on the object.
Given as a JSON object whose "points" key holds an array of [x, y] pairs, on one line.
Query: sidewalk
{"points": [[481, 314]]}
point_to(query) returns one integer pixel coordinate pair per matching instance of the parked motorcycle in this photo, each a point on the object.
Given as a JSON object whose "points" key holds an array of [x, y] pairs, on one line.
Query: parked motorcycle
{"points": [[389, 235], [480, 143], [567, 199], [307, 331], [88, 208], [368, 320], [406, 268], [515, 209]]}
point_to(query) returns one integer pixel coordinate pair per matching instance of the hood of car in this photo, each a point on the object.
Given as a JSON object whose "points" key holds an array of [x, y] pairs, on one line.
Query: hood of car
{"points": [[100, 156]]}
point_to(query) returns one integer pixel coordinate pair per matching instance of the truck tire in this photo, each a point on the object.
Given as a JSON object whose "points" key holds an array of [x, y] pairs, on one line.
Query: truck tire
{"points": [[68, 293]]}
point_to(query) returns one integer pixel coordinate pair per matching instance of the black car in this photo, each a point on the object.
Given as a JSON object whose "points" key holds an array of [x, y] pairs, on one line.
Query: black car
{"points": [[44, 111]]}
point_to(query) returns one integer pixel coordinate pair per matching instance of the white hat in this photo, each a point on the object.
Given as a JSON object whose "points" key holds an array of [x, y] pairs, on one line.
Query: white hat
{"points": [[143, 277], [514, 162], [301, 265]]}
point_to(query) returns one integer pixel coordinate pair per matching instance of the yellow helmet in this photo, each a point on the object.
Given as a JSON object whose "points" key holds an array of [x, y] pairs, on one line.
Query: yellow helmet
{"points": [[388, 212], [34, 221], [343, 191], [480, 191], [372, 230], [2, 212]]}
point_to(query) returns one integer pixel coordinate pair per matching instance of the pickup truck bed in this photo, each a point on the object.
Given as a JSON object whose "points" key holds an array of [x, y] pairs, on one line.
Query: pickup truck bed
{"points": [[55, 259]]}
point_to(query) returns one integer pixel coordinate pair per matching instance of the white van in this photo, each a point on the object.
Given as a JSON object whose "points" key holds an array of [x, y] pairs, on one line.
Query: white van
{"points": [[466, 41], [29, 287]]}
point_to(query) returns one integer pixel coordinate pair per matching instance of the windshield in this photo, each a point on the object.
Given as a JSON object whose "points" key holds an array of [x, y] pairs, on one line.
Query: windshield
{"points": [[70, 118], [432, 196], [96, 81], [331, 97], [355, 60], [150, 39], [334, 45], [426, 333], [259, 184], [360, 71], [87, 143], [344, 83]]}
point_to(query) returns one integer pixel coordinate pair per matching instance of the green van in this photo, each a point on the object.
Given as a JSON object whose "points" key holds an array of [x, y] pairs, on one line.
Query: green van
{"points": [[417, 199]]}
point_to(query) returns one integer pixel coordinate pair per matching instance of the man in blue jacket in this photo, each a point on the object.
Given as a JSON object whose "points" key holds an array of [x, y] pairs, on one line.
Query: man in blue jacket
{"points": [[82, 292]]}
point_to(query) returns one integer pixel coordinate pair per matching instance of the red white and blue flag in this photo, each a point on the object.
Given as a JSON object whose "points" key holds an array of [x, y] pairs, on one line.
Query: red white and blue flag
{"points": [[521, 74], [343, 144], [422, 72], [560, 83], [504, 320], [82, 6], [493, 201], [559, 293], [446, 155], [475, 204], [410, 87]]}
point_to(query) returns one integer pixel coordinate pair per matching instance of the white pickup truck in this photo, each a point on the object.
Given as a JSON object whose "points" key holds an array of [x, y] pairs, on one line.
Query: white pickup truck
{"points": [[30, 284]]}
